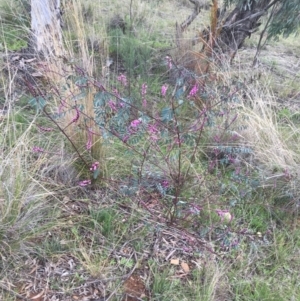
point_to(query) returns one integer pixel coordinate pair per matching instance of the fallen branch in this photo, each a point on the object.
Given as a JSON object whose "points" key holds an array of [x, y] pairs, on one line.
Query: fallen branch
{"points": [[192, 17], [184, 25]]}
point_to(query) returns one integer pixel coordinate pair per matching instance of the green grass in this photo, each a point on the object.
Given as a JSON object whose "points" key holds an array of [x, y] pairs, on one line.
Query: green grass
{"points": [[274, 275], [14, 22]]}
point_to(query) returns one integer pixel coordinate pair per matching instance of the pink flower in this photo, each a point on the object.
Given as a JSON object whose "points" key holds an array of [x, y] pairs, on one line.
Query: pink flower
{"points": [[153, 132], [135, 123], [178, 141], [194, 90], [144, 89], [164, 89], [144, 92], [112, 105], [165, 184], [125, 138], [90, 138], [123, 79], [152, 129], [37, 149], [84, 183], [76, 117], [88, 144], [195, 209], [95, 166], [169, 62], [116, 92]]}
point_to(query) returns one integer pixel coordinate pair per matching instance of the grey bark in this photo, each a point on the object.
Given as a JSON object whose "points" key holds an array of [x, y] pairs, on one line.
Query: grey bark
{"points": [[46, 27]]}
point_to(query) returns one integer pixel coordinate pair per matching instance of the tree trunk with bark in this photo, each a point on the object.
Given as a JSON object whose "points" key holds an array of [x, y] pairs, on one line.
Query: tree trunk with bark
{"points": [[240, 24], [46, 28]]}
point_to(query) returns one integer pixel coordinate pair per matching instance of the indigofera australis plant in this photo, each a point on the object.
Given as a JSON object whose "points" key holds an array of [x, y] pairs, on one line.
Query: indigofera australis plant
{"points": [[173, 146]]}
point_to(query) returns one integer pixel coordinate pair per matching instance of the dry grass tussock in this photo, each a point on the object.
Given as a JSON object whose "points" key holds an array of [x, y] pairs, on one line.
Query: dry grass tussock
{"points": [[29, 181], [274, 143], [23, 200]]}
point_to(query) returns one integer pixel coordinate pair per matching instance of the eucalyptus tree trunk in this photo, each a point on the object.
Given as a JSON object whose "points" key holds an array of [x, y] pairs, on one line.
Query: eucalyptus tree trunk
{"points": [[46, 28], [241, 23]]}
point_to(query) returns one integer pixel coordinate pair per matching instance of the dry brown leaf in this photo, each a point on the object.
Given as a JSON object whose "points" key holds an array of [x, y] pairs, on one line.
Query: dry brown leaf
{"points": [[66, 199], [15, 58], [174, 261], [33, 270], [227, 217], [37, 74], [30, 60], [185, 267], [38, 296]]}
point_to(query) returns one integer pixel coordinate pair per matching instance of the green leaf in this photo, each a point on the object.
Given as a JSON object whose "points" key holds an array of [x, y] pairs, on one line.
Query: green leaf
{"points": [[38, 102], [166, 114], [101, 98], [96, 173], [82, 81], [180, 92]]}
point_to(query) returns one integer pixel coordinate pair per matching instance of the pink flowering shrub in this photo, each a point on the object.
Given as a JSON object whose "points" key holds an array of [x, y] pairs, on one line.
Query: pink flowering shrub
{"points": [[174, 145]]}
